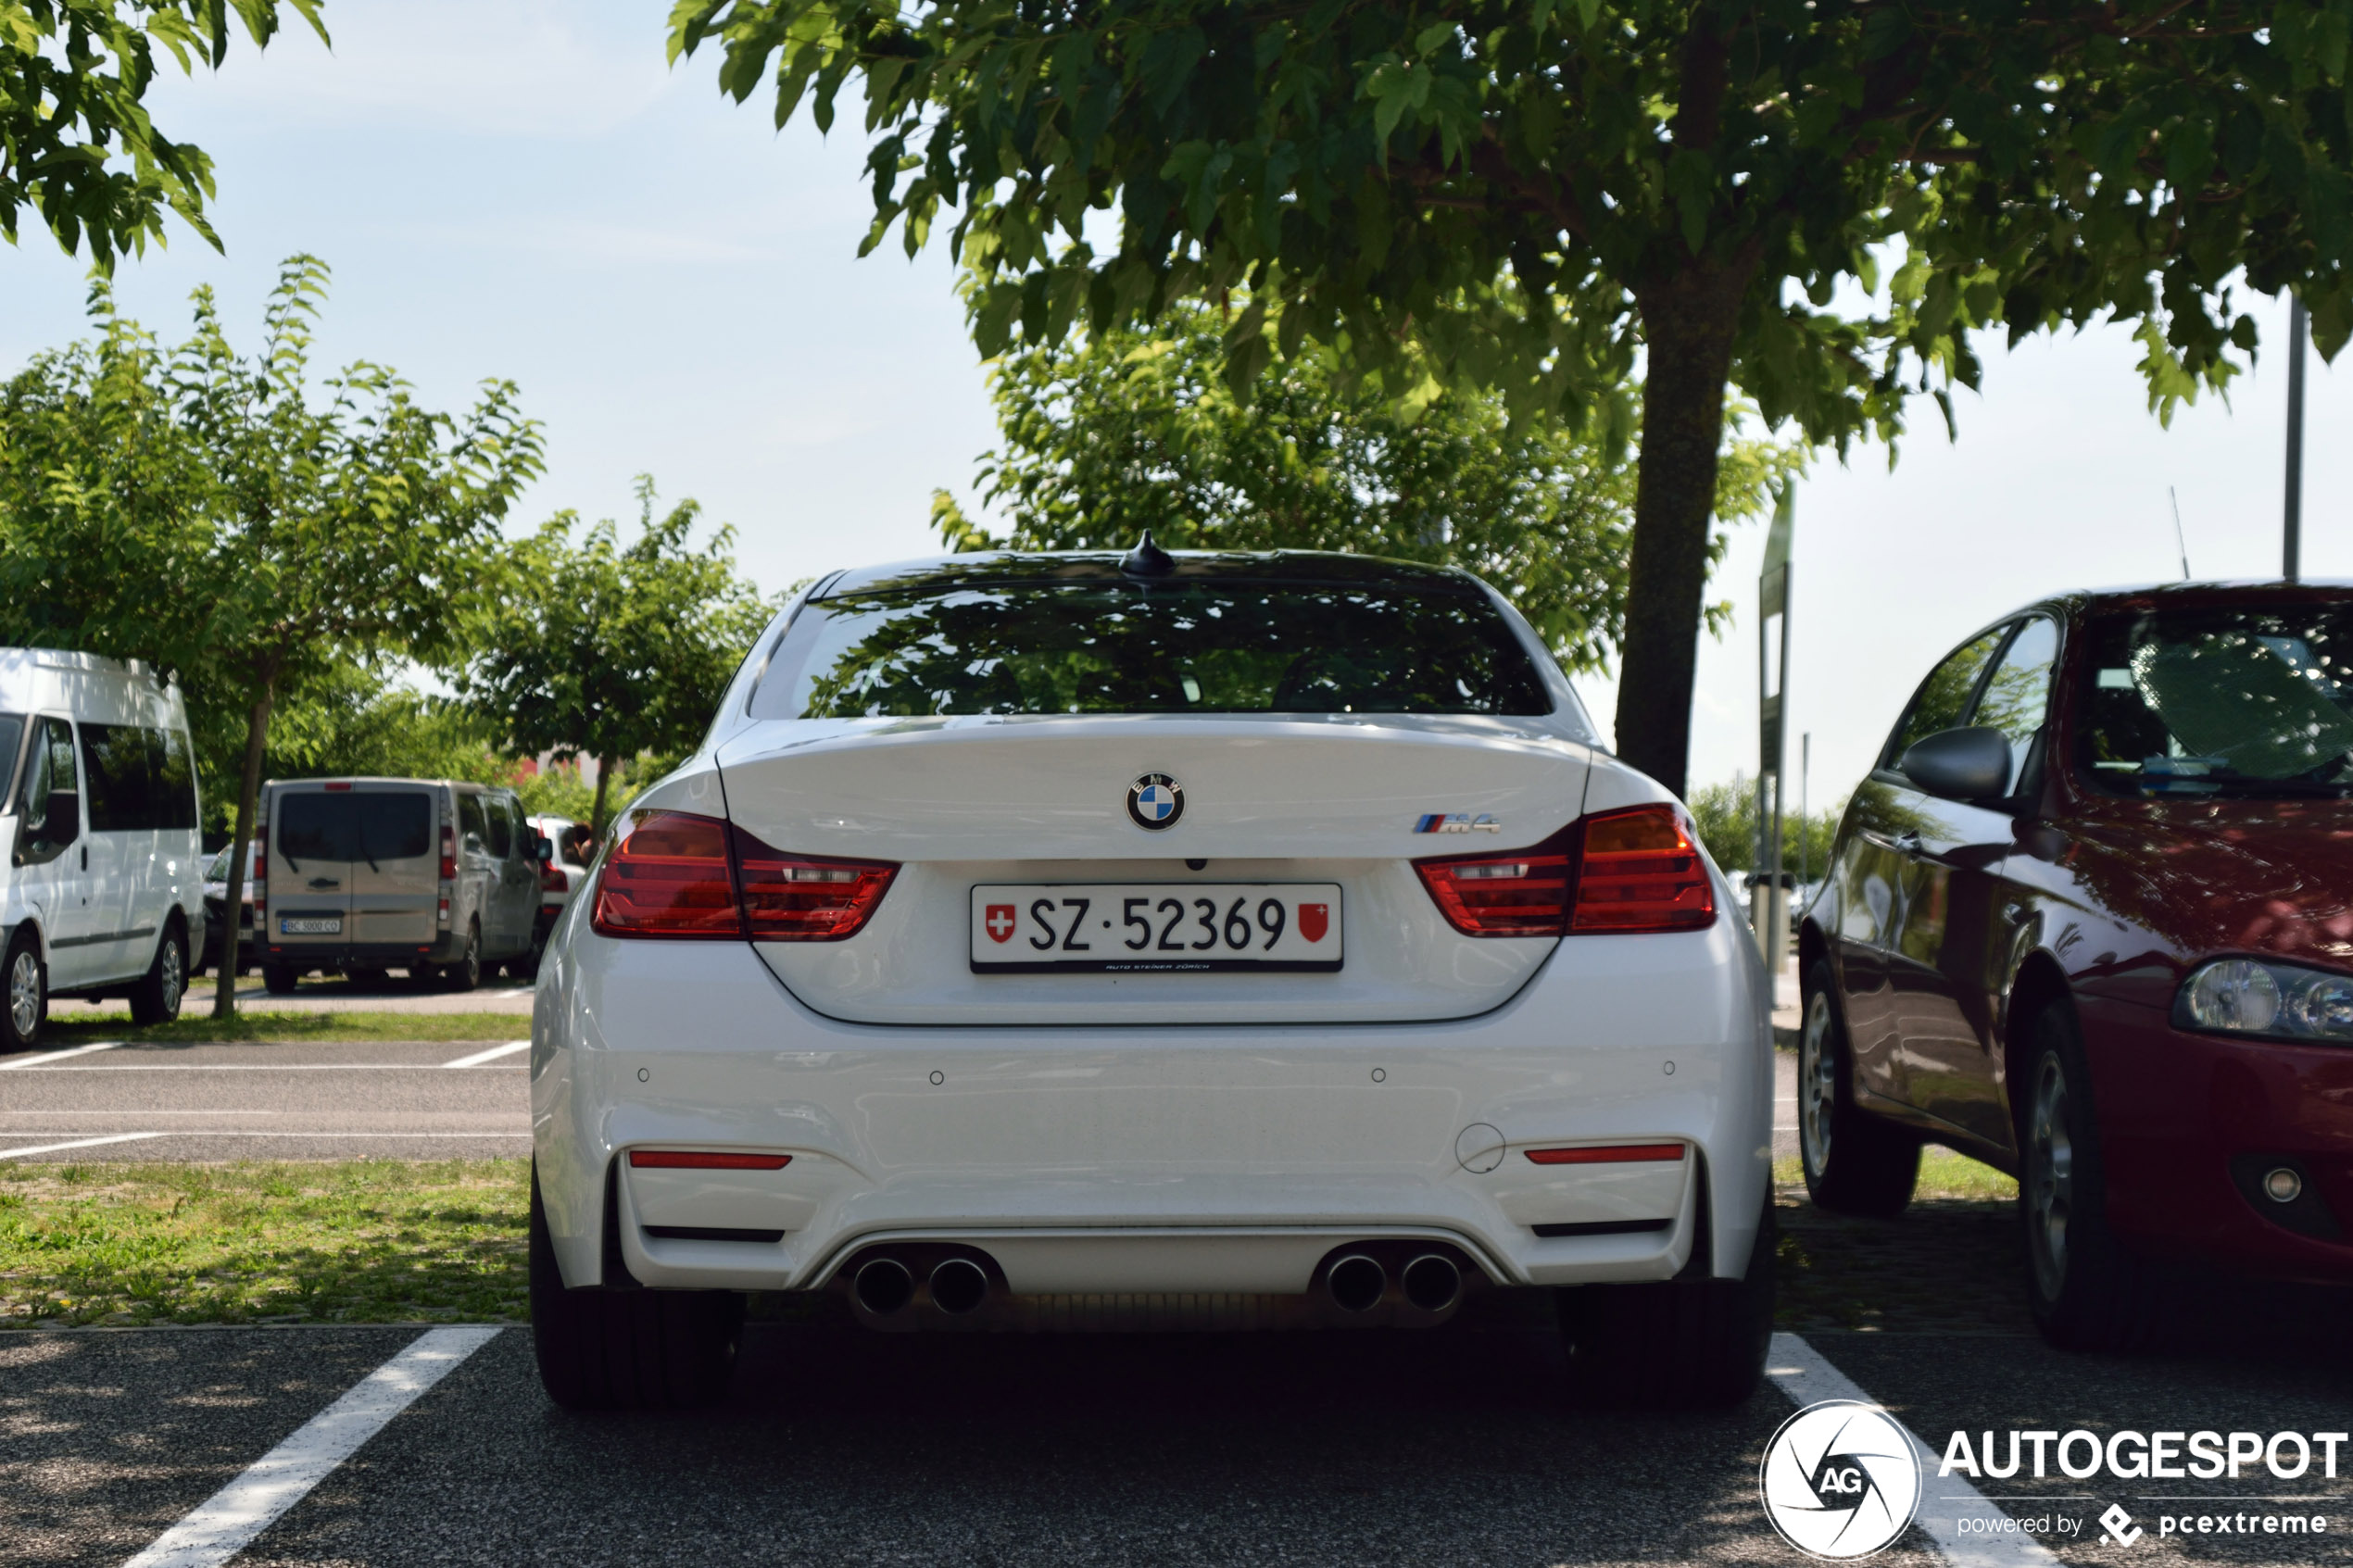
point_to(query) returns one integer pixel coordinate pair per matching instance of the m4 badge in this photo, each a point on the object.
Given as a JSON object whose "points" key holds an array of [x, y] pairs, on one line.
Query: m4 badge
{"points": [[1456, 821]]}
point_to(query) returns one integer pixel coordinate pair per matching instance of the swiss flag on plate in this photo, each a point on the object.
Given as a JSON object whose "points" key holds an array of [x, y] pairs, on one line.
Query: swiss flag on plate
{"points": [[1000, 922], [1314, 921]]}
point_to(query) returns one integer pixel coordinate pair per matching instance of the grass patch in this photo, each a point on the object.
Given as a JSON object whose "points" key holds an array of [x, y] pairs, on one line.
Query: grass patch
{"points": [[1943, 1174], [80, 1029], [357, 1241]]}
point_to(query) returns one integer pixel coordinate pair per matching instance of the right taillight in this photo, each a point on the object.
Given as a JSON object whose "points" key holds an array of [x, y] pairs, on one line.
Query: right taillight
{"points": [[1633, 870], [669, 875], [1641, 871]]}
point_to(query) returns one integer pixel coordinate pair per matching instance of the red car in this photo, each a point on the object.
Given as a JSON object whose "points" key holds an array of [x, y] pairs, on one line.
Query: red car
{"points": [[2091, 921]]}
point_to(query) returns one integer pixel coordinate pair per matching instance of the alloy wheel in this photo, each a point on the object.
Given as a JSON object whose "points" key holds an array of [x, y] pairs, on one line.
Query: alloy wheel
{"points": [[173, 976], [24, 993], [1816, 1084], [2050, 1178]]}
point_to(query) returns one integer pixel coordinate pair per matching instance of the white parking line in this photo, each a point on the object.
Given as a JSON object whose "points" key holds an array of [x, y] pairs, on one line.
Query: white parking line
{"points": [[493, 1054], [45, 1057], [227, 1522], [271, 1067], [77, 1143], [1799, 1371]]}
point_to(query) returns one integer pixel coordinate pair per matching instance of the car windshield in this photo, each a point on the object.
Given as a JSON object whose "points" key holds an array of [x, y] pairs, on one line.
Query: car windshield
{"points": [[1198, 647], [2239, 701]]}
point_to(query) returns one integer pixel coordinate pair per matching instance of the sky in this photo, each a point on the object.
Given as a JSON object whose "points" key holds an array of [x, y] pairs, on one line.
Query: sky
{"points": [[525, 189]]}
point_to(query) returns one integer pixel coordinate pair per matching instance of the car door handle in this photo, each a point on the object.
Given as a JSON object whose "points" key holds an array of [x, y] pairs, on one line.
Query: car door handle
{"points": [[1905, 843], [326, 882]]}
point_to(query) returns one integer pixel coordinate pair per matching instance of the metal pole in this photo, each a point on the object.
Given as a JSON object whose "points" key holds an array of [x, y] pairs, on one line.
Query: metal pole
{"points": [[1804, 769], [2292, 530]]}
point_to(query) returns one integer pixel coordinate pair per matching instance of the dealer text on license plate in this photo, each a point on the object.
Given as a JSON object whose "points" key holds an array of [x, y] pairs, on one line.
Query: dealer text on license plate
{"points": [[316, 925], [1149, 928]]}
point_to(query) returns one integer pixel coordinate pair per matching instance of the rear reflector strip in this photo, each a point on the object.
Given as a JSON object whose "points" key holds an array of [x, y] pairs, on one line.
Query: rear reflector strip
{"points": [[686, 1159], [1603, 1227], [1607, 1154], [711, 1232]]}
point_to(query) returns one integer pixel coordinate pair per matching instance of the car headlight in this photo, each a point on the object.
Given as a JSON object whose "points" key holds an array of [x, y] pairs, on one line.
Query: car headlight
{"points": [[2246, 997]]}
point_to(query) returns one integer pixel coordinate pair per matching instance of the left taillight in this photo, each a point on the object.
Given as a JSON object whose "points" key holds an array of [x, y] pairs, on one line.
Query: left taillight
{"points": [[677, 874], [1635, 869]]}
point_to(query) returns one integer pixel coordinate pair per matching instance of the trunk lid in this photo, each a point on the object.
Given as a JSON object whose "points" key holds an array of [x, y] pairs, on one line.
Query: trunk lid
{"points": [[1023, 802]]}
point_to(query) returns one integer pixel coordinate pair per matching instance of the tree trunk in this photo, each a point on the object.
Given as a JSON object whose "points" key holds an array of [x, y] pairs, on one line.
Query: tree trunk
{"points": [[1688, 326], [224, 992], [597, 815]]}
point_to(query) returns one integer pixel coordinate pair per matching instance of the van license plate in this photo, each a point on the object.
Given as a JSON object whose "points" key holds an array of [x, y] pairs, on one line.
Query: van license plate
{"points": [[310, 926], [1156, 928]]}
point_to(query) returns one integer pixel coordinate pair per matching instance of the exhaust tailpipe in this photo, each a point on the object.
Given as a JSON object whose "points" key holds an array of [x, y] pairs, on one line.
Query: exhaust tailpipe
{"points": [[883, 1285], [1432, 1282], [959, 1286], [1356, 1283]]}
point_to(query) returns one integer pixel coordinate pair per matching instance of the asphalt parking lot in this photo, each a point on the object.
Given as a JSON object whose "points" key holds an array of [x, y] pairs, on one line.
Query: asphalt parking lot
{"points": [[134, 1100], [840, 1446]]}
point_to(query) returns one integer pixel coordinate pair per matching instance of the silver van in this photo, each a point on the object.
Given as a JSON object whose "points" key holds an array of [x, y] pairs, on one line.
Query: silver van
{"points": [[361, 876], [103, 894]]}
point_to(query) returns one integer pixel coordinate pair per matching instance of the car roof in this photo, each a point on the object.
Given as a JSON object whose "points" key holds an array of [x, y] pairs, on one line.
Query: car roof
{"points": [[987, 567], [2151, 596]]}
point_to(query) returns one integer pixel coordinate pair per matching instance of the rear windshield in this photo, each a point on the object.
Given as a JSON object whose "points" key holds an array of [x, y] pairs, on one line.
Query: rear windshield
{"points": [[374, 826], [2253, 702], [1220, 647]]}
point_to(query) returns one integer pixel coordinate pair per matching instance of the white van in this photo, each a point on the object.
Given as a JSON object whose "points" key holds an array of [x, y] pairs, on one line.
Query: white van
{"points": [[104, 892], [359, 876]]}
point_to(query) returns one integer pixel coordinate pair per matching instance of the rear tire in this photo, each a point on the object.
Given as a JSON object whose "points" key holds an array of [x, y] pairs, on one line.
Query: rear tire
{"points": [[155, 999], [279, 979], [2087, 1290], [627, 1350], [466, 973], [1856, 1163], [1681, 1345], [24, 1008]]}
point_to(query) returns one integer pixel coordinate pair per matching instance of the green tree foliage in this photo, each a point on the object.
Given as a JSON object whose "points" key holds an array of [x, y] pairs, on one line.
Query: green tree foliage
{"points": [[610, 651], [1817, 202], [76, 142], [1105, 436], [1726, 816], [206, 512]]}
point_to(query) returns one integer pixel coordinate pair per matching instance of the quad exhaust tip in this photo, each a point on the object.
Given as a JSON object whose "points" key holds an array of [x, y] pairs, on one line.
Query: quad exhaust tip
{"points": [[1356, 1283], [1432, 1282], [883, 1285], [957, 1286]]}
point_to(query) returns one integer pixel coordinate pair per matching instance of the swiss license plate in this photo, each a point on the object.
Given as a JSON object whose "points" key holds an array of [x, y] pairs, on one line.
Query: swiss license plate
{"points": [[1155, 928], [310, 926]]}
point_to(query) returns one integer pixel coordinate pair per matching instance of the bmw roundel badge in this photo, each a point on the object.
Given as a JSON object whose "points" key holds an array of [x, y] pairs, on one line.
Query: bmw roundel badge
{"points": [[1155, 801]]}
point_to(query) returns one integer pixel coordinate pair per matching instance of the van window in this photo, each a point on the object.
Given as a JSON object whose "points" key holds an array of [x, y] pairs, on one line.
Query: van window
{"points": [[502, 827], [114, 758], [469, 819], [393, 826], [11, 732], [172, 780], [374, 827], [50, 772], [314, 827]]}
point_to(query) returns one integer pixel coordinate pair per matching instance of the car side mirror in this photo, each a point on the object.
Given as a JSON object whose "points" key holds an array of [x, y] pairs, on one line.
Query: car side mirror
{"points": [[473, 844], [64, 824], [1967, 764], [544, 851]]}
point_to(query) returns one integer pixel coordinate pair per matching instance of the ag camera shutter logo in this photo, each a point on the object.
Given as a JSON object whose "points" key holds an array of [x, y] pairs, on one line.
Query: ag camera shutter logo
{"points": [[1840, 1480]]}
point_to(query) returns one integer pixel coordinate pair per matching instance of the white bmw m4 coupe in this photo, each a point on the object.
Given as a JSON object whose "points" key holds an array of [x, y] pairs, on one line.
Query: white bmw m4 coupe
{"points": [[1198, 940]]}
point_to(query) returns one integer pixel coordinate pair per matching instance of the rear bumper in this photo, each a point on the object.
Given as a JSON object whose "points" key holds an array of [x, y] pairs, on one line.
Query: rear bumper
{"points": [[373, 955], [1163, 1159], [2186, 1121]]}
